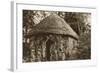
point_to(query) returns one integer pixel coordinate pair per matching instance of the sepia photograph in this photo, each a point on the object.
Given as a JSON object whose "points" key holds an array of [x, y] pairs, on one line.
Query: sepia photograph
{"points": [[55, 36], [52, 36]]}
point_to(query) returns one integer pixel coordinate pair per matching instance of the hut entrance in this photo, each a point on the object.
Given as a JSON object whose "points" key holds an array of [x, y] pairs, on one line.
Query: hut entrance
{"points": [[48, 46]]}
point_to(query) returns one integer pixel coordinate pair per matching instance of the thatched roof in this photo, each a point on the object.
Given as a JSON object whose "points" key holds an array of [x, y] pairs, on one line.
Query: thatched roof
{"points": [[54, 24]]}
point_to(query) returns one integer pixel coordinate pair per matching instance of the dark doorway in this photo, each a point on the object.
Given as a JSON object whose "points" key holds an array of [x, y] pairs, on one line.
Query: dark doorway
{"points": [[48, 46]]}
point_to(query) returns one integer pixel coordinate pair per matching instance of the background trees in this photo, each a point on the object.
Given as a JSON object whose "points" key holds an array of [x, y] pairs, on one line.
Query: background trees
{"points": [[81, 24]]}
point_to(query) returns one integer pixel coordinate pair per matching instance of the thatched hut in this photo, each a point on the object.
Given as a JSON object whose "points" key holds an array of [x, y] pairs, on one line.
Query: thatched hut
{"points": [[53, 40]]}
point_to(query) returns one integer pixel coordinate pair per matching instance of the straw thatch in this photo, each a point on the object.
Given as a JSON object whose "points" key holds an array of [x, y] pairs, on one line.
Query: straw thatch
{"points": [[54, 24]]}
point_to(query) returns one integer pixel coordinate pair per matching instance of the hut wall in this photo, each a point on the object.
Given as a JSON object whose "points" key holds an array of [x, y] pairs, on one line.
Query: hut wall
{"points": [[61, 49], [70, 43], [72, 48]]}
